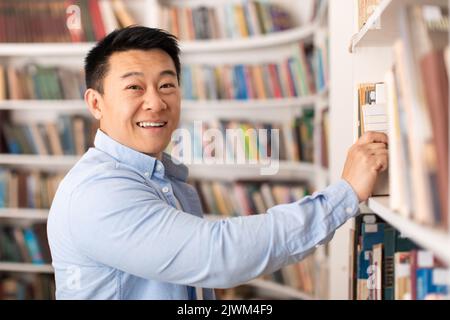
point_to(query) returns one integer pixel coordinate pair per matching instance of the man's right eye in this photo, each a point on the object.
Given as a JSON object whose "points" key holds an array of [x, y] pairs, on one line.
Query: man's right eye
{"points": [[134, 87]]}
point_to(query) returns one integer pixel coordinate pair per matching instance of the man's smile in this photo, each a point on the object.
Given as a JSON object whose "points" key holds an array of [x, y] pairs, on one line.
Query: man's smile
{"points": [[151, 124]]}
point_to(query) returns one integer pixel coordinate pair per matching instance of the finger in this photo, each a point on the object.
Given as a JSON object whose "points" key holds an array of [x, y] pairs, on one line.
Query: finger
{"points": [[373, 137], [376, 146], [382, 163], [379, 152]]}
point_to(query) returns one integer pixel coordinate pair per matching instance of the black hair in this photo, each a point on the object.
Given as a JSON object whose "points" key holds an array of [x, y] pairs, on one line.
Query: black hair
{"points": [[130, 38]]}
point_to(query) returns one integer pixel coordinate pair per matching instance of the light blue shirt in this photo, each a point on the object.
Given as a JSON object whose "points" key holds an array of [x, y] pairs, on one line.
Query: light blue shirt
{"points": [[115, 231]]}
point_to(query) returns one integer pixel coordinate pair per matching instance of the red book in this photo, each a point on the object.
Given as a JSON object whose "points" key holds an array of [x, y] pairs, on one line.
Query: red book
{"points": [[275, 80], [436, 92], [97, 21]]}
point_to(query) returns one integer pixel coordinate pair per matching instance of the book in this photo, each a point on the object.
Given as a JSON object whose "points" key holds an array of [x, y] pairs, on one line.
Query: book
{"points": [[365, 9], [373, 117], [236, 20]]}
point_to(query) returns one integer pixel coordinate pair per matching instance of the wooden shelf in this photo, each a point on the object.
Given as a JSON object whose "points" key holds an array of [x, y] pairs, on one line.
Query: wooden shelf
{"points": [[279, 290], [436, 241], [29, 214], [26, 267], [387, 11]]}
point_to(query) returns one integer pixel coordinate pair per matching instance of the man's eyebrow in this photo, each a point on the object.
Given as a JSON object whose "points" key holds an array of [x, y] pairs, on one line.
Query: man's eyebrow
{"points": [[168, 73], [162, 73], [132, 73]]}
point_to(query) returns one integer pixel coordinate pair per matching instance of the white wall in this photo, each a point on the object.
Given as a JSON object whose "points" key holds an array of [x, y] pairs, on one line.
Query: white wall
{"points": [[342, 27]]}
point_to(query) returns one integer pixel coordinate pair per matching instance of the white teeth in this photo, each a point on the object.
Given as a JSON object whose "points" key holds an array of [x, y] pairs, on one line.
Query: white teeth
{"points": [[151, 124]]}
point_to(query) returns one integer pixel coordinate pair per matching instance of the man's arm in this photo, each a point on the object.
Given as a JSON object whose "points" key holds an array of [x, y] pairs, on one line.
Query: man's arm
{"points": [[118, 221]]}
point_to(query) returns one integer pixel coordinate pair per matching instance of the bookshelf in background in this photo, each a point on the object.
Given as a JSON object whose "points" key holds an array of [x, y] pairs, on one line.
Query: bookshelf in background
{"points": [[401, 79], [45, 124]]}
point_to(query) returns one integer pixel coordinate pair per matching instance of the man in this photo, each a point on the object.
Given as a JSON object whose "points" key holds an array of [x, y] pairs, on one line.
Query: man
{"points": [[125, 225]]}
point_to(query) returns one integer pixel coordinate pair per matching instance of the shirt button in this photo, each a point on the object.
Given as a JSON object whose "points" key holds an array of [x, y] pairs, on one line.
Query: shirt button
{"points": [[147, 174], [165, 189], [158, 167], [349, 210]]}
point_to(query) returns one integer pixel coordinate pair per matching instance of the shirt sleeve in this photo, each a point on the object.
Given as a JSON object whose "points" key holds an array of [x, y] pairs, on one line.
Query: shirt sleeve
{"points": [[119, 221]]}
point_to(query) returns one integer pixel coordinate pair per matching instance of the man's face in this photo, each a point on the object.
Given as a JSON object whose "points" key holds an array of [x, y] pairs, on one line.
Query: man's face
{"points": [[140, 107]]}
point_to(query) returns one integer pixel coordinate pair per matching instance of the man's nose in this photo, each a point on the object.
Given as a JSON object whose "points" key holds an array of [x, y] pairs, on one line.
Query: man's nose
{"points": [[153, 101]]}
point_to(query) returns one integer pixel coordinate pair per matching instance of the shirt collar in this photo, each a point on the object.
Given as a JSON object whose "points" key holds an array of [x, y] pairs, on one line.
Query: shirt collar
{"points": [[138, 160]]}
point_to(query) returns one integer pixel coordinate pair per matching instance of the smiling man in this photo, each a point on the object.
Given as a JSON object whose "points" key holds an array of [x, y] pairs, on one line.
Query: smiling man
{"points": [[125, 225]]}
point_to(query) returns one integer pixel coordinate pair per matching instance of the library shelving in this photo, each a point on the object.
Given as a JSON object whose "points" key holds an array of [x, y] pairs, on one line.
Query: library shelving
{"points": [[271, 47], [373, 57]]}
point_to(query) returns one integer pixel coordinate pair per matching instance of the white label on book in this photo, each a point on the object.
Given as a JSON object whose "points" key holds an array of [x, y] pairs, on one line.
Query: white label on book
{"points": [[381, 97], [375, 117], [402, 270], [441, 277], [424, 259], [371, 228], [369, 218]]}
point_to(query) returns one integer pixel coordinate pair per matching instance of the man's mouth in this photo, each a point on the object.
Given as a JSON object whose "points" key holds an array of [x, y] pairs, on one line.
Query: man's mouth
{"points": [[147, 124]]}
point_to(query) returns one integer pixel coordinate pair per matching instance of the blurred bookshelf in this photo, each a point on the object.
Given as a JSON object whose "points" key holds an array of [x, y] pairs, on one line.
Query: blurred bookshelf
{"points": [[399, 247], [41, 93]]}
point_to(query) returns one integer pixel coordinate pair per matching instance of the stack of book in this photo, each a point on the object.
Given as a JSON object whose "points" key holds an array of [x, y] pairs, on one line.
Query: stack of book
{"points": [[245, 140], [21, 189], [27, 287], [39, 82], [417, 108], [246, 198], [25, 245], [61, 20], [233, 20], [301, 75], [388, 266], [70, 135]]}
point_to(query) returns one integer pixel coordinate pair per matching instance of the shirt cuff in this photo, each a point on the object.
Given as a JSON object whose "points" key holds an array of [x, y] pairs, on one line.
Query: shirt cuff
{"points": [[341, 195]]}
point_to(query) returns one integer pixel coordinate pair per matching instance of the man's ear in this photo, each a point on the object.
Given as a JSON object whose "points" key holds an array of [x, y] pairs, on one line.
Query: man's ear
{"points": [[94, 101]]}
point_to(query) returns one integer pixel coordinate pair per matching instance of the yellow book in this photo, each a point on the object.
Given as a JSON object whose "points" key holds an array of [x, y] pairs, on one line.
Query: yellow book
{"points": [[2, 83], [240, 20], [123, 14], [257, 75]]}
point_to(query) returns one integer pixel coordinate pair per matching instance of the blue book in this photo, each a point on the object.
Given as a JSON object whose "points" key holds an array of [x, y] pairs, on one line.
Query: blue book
{"points": [[3, 185], [372, 234], [427, 282], [240, 84], [33, 246]]}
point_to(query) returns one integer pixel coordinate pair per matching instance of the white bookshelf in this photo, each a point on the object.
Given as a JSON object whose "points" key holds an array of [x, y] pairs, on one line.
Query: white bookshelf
{"points": [[272, 289], [387, 14], [38, 161], [432, 239], [38, 215], [288, 170], [248, 50], [80, 105], [367, 60]]}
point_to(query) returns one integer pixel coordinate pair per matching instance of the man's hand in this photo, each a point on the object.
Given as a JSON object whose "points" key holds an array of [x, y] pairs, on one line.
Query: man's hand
{"points": [[365, 159]]}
